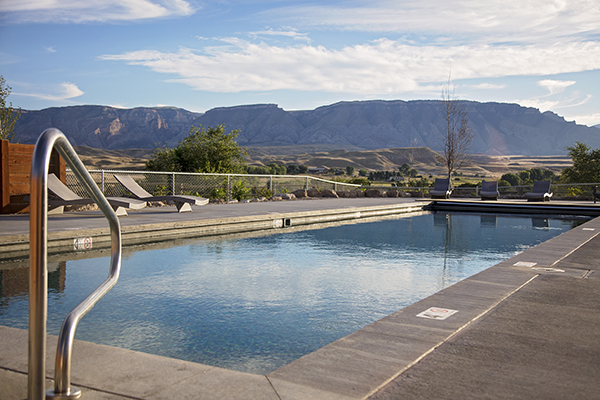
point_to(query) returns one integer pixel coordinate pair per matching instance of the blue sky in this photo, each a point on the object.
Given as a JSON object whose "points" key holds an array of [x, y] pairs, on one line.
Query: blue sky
{"points": [[199, 55]]}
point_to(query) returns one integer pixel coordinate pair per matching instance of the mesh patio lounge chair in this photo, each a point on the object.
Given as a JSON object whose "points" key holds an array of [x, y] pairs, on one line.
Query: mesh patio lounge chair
{"points": [[540, 191], [489, 190], [441, 189], [183, 202], [66, 197]]}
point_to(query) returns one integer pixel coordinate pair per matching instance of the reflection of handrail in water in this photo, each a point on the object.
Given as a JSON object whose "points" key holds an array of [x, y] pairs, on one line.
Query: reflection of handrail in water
{"points": [[38, 279]]}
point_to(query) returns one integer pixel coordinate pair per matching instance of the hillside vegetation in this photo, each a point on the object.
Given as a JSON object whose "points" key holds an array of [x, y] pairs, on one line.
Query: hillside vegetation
{"points": [[420, 158]]}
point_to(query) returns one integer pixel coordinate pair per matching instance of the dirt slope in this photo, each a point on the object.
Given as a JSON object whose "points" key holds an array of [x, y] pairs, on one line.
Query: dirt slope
{"points": [[421, 158]]}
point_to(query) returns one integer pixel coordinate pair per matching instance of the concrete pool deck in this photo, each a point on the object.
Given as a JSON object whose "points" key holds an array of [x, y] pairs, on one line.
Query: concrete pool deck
{"points": [[521, 331]]}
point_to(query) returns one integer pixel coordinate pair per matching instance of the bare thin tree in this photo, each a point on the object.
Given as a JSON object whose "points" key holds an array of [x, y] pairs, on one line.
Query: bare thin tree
{"points": [[458, 136]]}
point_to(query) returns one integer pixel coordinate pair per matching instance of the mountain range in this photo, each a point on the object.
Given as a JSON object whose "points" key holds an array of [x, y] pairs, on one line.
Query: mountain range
{"points": [[498, 128]]}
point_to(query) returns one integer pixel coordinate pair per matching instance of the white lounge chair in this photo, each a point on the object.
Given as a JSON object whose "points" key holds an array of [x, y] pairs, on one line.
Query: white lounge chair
{"points": [[66, 197], [183, 202]]}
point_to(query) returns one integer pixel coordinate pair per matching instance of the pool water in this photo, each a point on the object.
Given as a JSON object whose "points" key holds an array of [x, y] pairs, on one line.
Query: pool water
{"points": [[256, 304]]}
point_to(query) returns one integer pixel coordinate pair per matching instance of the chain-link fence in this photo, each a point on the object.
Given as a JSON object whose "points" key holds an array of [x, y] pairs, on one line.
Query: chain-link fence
{"points": [[225, 186], [562, 191], [230, 186]]}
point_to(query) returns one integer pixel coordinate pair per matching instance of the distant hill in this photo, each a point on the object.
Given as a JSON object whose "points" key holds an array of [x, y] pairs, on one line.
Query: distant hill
{"points": [[107, 127], [421, 158], [499, 128]]}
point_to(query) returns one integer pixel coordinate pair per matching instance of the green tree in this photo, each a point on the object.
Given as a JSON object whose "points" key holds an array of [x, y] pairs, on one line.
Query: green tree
{"points": [[8, 115], [513, 179], [208, 150], [276, 169], [536, 174], [404, 169], [363, 172], [548, 175], [525, 176], [350, 170], [586, 165]]}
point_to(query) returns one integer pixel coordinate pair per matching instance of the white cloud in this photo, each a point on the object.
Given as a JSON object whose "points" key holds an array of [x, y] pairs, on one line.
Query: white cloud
{"points": [[91, 10], [555, 86], [487, 86], [556, 100], [588, 119], [381, 67], [63, 91], [540, 104], [286, 33], [490, 20], [6, 59]]}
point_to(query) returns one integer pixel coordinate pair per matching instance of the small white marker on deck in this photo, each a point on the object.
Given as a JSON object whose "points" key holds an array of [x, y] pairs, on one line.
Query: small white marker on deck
{"points": [[548, 269], [524, 264], [588, 229], [437, 313]]}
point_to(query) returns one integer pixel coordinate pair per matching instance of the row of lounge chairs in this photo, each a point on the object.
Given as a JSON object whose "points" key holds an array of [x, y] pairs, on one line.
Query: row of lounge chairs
{"points": [[66, 197], [489, 190]]}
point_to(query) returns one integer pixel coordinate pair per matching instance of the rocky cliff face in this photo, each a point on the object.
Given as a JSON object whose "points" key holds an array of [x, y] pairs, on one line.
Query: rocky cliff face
{"points": [[107, 127], [499, 128]]}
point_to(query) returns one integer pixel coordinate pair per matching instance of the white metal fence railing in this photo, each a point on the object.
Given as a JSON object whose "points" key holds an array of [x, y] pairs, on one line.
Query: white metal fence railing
{"points": [[572, 191], [206, 185]]}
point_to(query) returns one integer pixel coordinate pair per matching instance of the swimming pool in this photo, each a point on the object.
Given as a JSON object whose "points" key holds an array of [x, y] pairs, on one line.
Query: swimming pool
{"points": [[255, 304]]}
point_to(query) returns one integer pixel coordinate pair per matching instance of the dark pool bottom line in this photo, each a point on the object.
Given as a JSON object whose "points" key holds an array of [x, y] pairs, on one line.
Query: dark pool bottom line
{"points": [[353, 367]]}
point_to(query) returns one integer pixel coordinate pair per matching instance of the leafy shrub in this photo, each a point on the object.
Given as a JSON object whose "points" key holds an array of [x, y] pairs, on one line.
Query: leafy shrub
{"points": [[423, 182], [263, 192], [359, 181], [239, 191], [468, 184], [218, 193], [161, 190]]}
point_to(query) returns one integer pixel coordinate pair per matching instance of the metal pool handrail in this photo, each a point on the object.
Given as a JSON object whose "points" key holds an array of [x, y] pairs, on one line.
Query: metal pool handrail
{"points": [[38, 274]]}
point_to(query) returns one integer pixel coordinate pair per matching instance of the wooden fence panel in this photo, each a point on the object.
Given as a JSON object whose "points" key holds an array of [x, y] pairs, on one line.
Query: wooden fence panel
{"points": [[15, 175]]}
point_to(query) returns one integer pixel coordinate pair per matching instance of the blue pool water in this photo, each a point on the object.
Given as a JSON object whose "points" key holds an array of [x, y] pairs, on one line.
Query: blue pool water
{"points": [[255, 304]]}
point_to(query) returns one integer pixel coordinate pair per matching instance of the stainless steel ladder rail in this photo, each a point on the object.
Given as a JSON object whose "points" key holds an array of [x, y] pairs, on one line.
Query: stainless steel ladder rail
{"points": [[38, 274]]}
